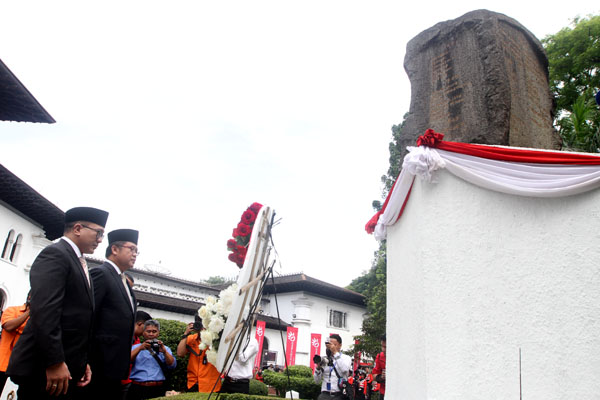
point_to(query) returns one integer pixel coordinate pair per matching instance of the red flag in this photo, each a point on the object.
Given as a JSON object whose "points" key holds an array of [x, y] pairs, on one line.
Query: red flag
{"points": [[356, 356], [315, 348], [260, 335], [290, 348]]}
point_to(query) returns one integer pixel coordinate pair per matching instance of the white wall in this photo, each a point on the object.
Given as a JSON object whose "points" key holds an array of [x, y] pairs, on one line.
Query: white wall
{"points": [[312, 316], [14, 276], [474, 276]]}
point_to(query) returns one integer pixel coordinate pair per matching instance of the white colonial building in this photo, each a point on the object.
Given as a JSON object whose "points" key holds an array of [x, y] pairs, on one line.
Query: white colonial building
{"points": [[311, 305]]}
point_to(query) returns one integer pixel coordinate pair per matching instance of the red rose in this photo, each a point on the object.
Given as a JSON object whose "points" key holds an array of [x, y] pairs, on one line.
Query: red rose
{"points": [[243, 229], [239, 258], [255, 207], [235, 233], [248, 217], [231, 257], [231, 244], [241, 250]]}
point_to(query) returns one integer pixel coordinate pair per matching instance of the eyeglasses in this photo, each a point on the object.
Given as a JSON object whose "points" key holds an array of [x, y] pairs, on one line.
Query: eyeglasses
{"points": [[132, 248], [99, 232]]}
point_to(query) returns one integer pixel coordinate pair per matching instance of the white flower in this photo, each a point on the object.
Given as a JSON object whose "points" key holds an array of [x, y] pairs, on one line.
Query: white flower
{"points": [[202, 346], [206, 337], [211, 356], [203, 312], [216, 324], [210, 300]]}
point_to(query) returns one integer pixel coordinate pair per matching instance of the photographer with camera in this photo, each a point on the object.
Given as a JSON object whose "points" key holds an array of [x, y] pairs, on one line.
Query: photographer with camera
{"points": [[332, 371], [201, 375], [151, 360]]}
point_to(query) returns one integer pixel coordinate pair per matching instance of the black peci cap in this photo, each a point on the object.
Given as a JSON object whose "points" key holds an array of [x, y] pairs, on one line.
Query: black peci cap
{"points": [[88, 214], [123, 235]]}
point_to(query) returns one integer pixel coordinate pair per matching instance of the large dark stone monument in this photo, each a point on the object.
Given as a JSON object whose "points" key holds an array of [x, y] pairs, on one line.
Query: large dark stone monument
{"points": [[481, 78]]}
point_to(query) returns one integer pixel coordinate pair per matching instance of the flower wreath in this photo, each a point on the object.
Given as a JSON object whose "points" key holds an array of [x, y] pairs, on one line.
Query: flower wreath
{"points": [[214, 315], [241, 235]]}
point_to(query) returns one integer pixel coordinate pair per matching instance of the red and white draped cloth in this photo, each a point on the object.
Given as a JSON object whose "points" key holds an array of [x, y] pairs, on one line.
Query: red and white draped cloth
{"points": [[517, 171]]}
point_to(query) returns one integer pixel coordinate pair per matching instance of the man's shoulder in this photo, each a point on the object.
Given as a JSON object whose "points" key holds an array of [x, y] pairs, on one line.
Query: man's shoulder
{"points": [[101, 270], [11, 313]]}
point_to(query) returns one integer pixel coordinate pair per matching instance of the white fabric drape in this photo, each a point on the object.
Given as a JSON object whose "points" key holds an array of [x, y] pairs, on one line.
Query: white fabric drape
{"points": [[521, 179]]}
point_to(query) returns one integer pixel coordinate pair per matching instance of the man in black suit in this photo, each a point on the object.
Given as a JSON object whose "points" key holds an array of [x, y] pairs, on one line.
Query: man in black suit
{"points": [[114, 318], [51, 358]]}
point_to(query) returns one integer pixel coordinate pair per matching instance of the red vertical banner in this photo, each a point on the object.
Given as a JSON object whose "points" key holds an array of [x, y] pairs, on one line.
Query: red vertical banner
{"points": [[315, 348], [290, 347], [356, 356], [260, 336]]}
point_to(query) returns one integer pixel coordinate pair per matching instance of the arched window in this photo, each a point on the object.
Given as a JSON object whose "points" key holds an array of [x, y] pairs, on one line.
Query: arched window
{"points": [[8, 244], [16, 248]]}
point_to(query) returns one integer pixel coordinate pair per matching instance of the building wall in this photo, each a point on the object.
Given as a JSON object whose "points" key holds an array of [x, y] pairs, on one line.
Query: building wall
{"points": [[490, 291], [310, 314], [14, 275]]}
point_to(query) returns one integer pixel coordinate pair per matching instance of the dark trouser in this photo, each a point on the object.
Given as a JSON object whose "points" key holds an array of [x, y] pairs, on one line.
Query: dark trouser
{"points": [[125, 391], [235, 386], [140, 392], [3, 378], [103, 388], [34, 388]]}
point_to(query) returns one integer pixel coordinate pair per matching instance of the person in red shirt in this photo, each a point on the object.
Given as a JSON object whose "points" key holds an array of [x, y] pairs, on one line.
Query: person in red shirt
{"points": [[14, 320], [379, 370]]}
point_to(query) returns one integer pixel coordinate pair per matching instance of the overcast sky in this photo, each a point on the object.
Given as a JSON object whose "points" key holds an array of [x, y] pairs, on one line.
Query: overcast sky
{"points": [[175, 116]]}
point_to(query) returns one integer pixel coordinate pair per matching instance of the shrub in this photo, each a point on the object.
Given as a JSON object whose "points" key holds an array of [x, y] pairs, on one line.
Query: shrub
{"points": [[258, 388], [305, 386], [170, 334], [299, 370]]}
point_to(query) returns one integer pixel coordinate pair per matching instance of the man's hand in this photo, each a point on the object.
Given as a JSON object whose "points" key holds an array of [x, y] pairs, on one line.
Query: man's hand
{"points": [[57, 379], [189, 328], [162, 347], [86, 378]]}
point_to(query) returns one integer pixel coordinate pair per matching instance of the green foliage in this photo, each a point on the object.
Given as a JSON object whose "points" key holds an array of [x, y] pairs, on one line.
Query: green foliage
{"points": [[258, 388], [373, 283], [580, 128], [573, 57], [373, 286], [170, 334], [224, 396], [305, 386], [299, 370], [217, 280]]}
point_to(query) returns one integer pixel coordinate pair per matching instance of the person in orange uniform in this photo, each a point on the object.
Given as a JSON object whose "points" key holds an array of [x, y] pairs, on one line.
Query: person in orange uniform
{"points": [[14, 320], [202, 376]]}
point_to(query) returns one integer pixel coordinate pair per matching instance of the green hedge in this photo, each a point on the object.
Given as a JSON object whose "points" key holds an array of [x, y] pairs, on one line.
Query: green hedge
{"points": [[224, 396], [258, 388], [298, 381]]}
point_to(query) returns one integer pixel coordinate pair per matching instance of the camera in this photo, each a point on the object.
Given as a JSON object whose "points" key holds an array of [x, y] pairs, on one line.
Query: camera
{"points": [[322, 361], [197, 326], [154, 345]]}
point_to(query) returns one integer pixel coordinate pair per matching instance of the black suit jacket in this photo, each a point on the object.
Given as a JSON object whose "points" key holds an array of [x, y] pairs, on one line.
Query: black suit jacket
{"points": [[114, 322], [60, 324]]}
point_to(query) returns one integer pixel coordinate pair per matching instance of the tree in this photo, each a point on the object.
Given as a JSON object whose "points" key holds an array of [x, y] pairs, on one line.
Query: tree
{"points": [[373, 283], [574, 57]]}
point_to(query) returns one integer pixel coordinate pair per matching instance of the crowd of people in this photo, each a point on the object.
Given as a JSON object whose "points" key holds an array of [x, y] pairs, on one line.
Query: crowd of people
{"points": [[338, 379], [78, 336], [79, 333]]}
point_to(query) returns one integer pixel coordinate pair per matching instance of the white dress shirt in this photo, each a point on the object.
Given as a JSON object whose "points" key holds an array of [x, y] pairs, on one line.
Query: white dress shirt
{"points": [[243, 365], [343, 365]]}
